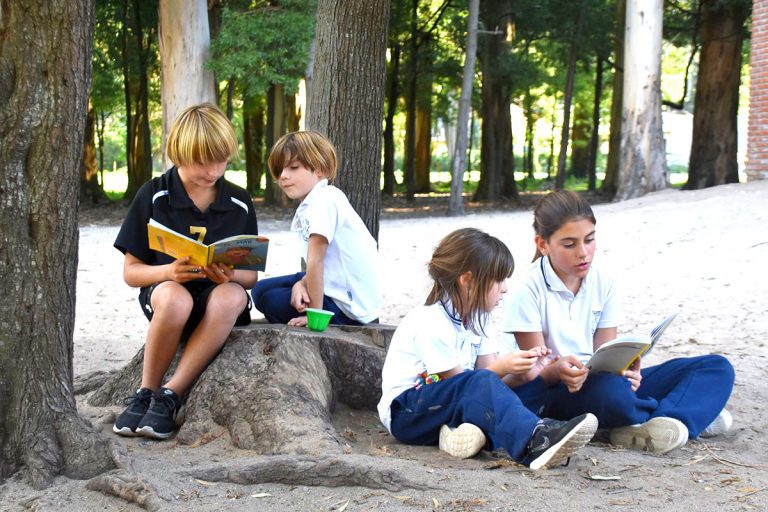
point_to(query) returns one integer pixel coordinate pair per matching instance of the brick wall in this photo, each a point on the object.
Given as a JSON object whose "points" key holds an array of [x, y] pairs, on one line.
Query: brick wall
{"points": [[757, 136]]}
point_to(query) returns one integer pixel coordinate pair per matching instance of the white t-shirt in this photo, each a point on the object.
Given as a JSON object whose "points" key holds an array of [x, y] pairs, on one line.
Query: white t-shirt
{"points": [[432, 340], [542, 303], [350, 268]]}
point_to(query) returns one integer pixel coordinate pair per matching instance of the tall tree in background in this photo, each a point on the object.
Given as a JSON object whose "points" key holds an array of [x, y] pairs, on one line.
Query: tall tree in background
{"points": [[610, 182], [573, 52], [185, 42], [266, 61], [107, 90], [458, 162], [45, 56], [90, 188], [497, 162], [643, 166], [347, 96], [137, 37], [713, 159]]}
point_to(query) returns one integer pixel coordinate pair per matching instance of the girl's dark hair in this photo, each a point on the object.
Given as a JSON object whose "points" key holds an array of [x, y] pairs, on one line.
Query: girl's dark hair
{"points": [[555, 209], [469, 250]]}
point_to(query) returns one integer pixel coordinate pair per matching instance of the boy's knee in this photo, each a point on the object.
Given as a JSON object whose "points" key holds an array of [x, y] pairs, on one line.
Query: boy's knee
{"points": [[171, 298], [227, 299]]}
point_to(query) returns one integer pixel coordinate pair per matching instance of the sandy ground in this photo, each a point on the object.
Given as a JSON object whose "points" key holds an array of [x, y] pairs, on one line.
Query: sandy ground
{"points": [[702, 252]]}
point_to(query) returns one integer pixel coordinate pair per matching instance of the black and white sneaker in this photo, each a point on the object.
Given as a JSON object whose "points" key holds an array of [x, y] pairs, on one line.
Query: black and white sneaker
{"points": [[160, 420], [554, 441], [128, 421]]}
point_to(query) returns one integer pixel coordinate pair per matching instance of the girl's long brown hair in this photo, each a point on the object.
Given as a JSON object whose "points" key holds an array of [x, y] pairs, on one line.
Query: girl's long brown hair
{"points": [[468, 250], [555, 209]]}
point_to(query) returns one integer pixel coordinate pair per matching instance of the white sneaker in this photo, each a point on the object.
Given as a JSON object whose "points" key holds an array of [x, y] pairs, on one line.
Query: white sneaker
{"points": [[719, 426], [657, 435], [463, 441]]}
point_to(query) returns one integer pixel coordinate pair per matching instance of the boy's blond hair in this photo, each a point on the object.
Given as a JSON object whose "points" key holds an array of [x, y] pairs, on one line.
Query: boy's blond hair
{"points": [[201, 134], [310, 148]]}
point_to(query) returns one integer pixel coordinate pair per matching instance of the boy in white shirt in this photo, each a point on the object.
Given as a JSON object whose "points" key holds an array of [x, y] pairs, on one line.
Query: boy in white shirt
{"points": [[339, 252]]}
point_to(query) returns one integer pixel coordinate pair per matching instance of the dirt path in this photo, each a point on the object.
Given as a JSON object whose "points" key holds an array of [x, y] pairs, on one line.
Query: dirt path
{"points": [[702, 252]]}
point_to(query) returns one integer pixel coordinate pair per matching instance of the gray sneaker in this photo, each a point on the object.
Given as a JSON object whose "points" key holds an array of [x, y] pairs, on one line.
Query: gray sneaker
{"points": [[463, 441], [657, 435], [719, 426]]}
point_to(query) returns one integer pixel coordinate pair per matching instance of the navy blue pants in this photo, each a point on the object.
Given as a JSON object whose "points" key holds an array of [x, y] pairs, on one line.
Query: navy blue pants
{"points": [[478, 397], [273, 298], [693, 390]]}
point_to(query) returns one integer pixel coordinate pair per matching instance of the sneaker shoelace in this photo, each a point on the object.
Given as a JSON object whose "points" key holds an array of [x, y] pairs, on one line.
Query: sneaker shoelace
{"points": [[166, 403], [136, 399]]}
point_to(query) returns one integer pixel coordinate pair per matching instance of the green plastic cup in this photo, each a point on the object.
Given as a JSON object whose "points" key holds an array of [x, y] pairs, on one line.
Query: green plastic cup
{"points": [[317, 319]]}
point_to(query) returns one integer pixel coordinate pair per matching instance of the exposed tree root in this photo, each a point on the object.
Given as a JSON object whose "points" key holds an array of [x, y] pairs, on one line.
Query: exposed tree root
{"points": [[327, 471], [90, 381], [127, 486], [124, 483]]}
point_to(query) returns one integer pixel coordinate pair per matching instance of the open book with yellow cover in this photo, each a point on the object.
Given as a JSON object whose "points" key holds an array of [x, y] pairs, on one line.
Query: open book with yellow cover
{"points": [[248, 252], [618, 355]]}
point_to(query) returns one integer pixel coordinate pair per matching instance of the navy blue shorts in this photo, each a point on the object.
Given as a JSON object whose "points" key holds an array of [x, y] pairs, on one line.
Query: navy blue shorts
{"points": [[200, 290]]}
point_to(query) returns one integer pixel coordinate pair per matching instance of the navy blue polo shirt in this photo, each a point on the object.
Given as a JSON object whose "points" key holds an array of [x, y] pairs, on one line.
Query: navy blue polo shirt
{"points": [[165, 200]]}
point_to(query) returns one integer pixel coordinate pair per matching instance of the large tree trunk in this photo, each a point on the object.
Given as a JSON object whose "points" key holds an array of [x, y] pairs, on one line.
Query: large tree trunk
{"points": [[45, 55], [643, 166], [90, 189], [497, 161], [610, 181], [348, 95], [713, 149], [185, 41], [458, 162], [309, 372]]}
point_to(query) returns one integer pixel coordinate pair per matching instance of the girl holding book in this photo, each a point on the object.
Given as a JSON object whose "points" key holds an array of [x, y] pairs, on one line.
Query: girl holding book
{"points": [[571, 307], [442, 382]]}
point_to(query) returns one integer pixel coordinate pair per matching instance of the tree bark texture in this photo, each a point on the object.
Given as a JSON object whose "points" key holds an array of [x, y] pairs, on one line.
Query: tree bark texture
{"points": [[643, 166], [185, 42], [326, 471], [610, 182], [347, 97], [272, 389], [45, 69], [459, 155], [497, 160], [713, 159]]}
